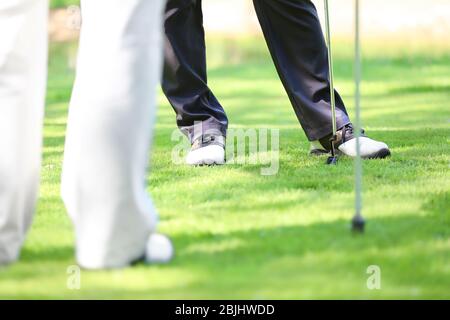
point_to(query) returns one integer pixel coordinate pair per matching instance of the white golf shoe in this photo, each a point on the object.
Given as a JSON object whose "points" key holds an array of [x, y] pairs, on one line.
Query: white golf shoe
{"points": [[207, 150], [159, 249], [346, 144], [370, 149]]}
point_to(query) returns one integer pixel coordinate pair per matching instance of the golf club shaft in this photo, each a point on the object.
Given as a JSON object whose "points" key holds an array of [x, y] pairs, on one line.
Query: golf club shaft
{"points": [[330, 65], [358, 161]]}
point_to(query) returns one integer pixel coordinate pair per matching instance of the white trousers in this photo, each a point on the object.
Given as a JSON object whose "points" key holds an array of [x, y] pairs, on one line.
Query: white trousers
{"points": [[23, 73], [109, 126]]}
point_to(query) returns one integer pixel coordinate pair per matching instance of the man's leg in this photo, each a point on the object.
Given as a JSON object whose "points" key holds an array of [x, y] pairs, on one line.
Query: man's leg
{"points": [[185, 74], [110, 123], [23, 73], [199, 114], [296, 43], [295, 40]]}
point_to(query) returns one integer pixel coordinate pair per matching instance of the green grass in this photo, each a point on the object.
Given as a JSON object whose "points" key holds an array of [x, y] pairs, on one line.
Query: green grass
{"points": [[241, 235], [63, 3]]}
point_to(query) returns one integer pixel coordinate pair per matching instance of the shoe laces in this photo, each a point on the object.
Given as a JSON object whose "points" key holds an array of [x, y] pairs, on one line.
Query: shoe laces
{"points": [[348, 131]]}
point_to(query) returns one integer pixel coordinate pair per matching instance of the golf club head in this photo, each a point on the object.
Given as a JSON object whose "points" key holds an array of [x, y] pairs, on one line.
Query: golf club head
{"points": [[332, 161], [358, 224]]}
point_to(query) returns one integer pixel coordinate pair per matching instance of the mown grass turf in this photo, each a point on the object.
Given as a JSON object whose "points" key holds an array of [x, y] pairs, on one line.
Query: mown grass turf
{"points": [[242, 235], [63, 3]]}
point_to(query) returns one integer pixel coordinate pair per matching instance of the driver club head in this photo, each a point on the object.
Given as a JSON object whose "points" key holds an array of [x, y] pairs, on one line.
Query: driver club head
{"points": [[358, 224], [332, 161]]}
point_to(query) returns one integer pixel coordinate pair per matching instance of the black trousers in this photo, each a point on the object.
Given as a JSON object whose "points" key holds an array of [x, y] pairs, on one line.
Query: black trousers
{"points": [[294, 36]]}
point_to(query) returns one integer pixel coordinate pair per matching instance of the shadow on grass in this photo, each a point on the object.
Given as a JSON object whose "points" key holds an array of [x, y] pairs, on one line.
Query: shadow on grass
{"points": [[52, 254], [279, 258], [420, 89]]}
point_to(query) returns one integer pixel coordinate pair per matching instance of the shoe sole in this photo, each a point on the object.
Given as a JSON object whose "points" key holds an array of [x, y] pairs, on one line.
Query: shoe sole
{"points": [[381, 154], [208, 164]]}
